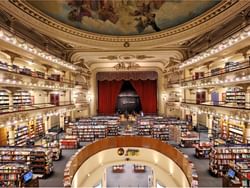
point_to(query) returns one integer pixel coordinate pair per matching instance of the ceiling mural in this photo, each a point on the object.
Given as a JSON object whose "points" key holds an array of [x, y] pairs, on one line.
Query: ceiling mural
{"points": [[123, 17]]}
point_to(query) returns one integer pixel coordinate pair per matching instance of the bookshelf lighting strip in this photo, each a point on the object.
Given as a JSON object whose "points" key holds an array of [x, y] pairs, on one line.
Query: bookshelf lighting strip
{"points": [[22, 120], [235, 39], [21, 83], [217, 114], [20, 43], [226, 81]]}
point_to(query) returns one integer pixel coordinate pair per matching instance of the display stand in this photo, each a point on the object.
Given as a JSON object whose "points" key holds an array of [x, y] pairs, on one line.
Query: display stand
{"points": [[139, 168], [118, 168], [38, 159], [221, 157], [189, 139], [17, 175], [69, 142], [202, 150]]}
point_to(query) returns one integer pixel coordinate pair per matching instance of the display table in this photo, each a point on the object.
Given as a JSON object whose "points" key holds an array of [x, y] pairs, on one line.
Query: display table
{"points": [[118, 168], [69, 142], [139, 168], [202, 150], [189, 139]]}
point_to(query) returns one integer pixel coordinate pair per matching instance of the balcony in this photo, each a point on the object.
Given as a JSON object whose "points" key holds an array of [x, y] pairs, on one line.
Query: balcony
{"points": [[219, 104], [206, 79], [30, 79], [16, 110]]}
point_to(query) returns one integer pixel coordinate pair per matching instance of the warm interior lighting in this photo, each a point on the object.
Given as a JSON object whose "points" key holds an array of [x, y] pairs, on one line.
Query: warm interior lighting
{"points": [[236, 38], [14, 40]]}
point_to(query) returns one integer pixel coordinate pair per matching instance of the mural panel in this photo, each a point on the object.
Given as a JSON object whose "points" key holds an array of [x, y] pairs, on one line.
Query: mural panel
{"points": [[123, 17]]}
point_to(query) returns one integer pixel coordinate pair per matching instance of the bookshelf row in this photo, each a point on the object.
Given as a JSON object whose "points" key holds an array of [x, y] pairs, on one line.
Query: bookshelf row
{"points": [[38, 159], [233, 130], [18, 135], [221, 157], [165, 129]]}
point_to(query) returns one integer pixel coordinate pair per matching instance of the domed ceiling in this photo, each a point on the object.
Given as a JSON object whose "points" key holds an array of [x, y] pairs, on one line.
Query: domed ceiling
{"points": [[123, 17]]}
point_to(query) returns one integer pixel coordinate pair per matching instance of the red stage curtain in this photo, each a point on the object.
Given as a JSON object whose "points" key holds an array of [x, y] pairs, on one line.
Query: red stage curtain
{"points": [[147, 91], [107, 94], [108, 91]]}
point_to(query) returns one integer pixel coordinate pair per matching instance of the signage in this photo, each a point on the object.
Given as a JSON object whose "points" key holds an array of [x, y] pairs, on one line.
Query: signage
{"points": [[128, 152]]}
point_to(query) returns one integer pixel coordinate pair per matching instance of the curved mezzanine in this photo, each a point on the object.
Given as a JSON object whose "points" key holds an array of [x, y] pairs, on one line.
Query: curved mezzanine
{"points": [[165, 160]]}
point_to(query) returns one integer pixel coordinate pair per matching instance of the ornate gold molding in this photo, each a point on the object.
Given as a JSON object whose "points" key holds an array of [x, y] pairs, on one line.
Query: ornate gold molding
{"points": [[39, 16]]}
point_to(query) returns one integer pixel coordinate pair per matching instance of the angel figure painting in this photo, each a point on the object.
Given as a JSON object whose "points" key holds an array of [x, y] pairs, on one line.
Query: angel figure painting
{"points": [[123, 17]]}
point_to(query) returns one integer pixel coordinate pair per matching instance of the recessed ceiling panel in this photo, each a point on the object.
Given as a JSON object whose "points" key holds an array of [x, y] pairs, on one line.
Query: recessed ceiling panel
{"points": [[123, 17]]}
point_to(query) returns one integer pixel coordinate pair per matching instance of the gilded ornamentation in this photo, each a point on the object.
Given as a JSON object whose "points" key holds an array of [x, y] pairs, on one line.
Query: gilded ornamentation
{"points": [[126, 66], [25, 7]]}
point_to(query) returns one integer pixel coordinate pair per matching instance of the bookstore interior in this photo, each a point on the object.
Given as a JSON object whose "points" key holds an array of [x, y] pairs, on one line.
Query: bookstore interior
{"points": [[144, 93]]}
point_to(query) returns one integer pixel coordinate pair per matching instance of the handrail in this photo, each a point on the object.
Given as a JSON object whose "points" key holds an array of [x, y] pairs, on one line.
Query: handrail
{"points": [[85, 153], [10, 69], [6, 109], [217, 104], [241, 66]]}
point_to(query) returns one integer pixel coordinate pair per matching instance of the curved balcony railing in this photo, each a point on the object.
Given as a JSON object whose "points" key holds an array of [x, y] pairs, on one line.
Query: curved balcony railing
{"points": [[36, 74], [8, 109], [222, 71], [126, 141], [235, 105]]}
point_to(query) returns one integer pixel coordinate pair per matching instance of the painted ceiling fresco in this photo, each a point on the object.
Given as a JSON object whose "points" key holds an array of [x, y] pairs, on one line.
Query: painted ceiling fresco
{"points": [[123, 17]]}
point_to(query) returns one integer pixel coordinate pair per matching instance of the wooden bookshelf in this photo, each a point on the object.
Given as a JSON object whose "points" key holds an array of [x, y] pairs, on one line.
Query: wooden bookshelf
{"points": [[237, 96], [69, 142], [144, 127], [161, 131], [238, 175], [38, 159], [39, 127], [18, 135], [189, 139], [4, 100], [202, 150], [32, 131], [216, 127], [41, 161], [221, 157], [236, 131], [22, 98], [112, 127], [11, 175]]}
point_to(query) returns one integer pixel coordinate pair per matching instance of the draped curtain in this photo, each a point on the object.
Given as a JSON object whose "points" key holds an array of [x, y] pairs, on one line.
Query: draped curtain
{"points": [[108, 91], [147, 91], [107, 94]]}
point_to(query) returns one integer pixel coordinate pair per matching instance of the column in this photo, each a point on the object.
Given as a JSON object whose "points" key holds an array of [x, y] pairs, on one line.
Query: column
{"points": [[61, 121], [209, 125], [11, 131], [45, 121], [48, 122]]}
